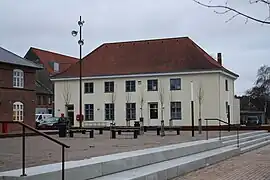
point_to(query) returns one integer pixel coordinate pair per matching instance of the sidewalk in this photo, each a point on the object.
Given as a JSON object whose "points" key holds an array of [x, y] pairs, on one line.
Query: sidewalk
{"points": [[254, 165]]}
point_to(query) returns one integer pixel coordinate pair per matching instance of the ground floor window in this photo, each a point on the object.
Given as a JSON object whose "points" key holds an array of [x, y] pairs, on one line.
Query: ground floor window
{"points": [[153, 110], [131, 111], [109, 111], [89, 112], [176, 110], [18, 111]]}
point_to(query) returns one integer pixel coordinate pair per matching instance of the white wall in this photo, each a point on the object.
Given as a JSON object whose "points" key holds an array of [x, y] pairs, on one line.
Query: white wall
{"points": [[213, 105]]}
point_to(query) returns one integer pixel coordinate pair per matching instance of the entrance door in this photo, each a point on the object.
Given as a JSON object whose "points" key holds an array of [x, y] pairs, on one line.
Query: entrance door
{"points": [[153, 114], [70, 111]]}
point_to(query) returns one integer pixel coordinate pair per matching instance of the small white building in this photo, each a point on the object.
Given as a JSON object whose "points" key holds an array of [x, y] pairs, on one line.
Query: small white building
{"points": [[153, 79]]}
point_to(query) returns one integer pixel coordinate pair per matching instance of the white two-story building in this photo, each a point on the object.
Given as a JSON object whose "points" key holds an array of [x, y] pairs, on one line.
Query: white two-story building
{"points": [[153, 79]]}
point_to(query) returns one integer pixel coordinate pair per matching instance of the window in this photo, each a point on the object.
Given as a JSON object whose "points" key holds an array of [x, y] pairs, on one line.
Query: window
{"points": [[56, 67], [17, 111], [49, 100], [226, 85], [176, 110], [153, 110], [89, 112], [39, 100], [131, 111], [109, 86], [130, 86], [18, 78], [152, 85], [227, 107], [89, 87], [175, 84], [109, 111]]}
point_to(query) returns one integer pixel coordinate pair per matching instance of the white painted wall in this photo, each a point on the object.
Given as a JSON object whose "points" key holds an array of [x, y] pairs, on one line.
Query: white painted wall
{"points": [[213, 106]]}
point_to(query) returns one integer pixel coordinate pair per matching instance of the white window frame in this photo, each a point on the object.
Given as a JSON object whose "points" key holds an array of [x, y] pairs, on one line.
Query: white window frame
{"points": [[18, 78], [176, 110], [18, 111], [89, 112]]}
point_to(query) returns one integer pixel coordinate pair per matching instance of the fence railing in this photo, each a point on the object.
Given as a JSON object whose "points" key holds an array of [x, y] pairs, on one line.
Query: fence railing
{"points": [[25, 126], [221, 121]]}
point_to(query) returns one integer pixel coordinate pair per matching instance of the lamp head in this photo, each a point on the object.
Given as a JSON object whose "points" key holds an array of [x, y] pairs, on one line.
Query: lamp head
{"points": [[74, 33], [80, 23], [81, 42]]}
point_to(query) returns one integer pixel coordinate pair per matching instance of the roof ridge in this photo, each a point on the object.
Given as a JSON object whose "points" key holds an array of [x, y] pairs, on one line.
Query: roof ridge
{"points": [[146, 40], [51, 52]]}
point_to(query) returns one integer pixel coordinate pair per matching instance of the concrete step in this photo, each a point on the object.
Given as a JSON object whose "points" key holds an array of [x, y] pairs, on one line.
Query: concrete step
{"points": [[176, 167], [245, 139], [241, 135], [255, 146], [113, 163]]}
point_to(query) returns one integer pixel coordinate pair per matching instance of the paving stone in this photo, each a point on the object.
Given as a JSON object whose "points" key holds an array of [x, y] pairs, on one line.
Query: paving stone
{"points": [[254, 165]]}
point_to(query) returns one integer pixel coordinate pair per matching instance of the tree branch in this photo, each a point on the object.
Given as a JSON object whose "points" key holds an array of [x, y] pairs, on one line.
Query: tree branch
{"points": [[237, 13]]}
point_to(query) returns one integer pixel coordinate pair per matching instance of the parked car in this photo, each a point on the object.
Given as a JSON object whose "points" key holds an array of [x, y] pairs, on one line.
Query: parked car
{"points": [[51, 123], [40, 117], [253, 120]]}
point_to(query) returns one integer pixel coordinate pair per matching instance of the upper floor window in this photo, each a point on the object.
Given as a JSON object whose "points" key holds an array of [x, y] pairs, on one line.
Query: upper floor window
{"points": [[89, 87], [226, 85], [17, 111], [152, 85], [175, 84], [130, 86], [18, 78], [109, 86]]}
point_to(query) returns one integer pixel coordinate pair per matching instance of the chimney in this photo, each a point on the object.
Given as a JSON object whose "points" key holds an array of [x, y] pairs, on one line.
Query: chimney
{"points": [[219, 58]]}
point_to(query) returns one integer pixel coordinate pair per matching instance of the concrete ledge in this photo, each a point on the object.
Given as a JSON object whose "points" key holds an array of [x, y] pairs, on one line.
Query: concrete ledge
{"points": [[176, 167], [104, 165]]}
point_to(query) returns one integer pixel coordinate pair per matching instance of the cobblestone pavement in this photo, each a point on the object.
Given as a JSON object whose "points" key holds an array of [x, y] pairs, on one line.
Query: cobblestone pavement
{"points": [[253, 165], [41, 151]]}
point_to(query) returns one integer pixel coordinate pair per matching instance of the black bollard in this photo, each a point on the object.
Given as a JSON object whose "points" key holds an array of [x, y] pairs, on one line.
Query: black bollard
{"points": [[91, 134], [100, 131], [119, 132], [135, 135], [158, 131], [71, 134], [113, 134], [178, 131]]}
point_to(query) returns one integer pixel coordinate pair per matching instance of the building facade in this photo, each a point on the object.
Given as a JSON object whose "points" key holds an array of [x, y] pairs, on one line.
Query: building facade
{"points": [[162, 93], [17, 89], [53, 63]]}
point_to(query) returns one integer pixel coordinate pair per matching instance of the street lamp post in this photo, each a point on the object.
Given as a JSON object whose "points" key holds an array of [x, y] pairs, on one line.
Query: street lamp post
{"points": [[81, 43]]}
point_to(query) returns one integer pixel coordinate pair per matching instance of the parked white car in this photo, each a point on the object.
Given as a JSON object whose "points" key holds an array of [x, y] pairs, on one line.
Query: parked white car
{"points": [[41, 117]]}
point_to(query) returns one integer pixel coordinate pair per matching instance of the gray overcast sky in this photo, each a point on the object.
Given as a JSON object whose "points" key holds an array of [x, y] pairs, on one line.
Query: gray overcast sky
{"points": [[47, 25]]}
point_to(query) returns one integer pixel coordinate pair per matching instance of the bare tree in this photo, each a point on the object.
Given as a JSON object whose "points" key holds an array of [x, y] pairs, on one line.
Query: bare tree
{"points": [[161, 99], [113, 98], [142, 101], [200, 98], [66, 94], [226, 8]]}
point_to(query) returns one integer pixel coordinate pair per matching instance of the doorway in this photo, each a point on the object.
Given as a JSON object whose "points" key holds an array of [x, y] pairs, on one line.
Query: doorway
{"points": [[70, 114]]}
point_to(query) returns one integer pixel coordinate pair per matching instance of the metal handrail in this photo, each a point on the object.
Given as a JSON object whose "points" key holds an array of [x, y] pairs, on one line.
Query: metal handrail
{"points": [[221, 121], [42, 134]]}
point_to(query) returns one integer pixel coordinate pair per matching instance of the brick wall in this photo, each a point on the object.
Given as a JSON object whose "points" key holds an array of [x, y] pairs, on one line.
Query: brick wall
{"points": [[9, 95]]}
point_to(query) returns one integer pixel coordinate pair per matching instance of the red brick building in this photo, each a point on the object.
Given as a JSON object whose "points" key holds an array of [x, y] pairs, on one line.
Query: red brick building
{"points": [[17, 89]]}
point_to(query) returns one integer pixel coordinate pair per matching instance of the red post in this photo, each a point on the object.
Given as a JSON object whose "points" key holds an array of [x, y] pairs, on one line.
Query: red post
{"points": [[4, 128]]}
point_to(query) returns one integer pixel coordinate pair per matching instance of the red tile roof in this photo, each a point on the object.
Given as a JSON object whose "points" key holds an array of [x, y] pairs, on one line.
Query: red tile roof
{"points": [[147, 56], [46, 57]]}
